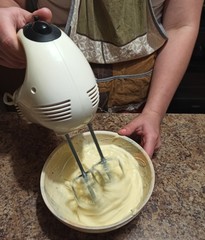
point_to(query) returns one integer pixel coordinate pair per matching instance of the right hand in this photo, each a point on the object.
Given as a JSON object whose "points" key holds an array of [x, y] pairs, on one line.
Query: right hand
{"points": [[11, 20]]}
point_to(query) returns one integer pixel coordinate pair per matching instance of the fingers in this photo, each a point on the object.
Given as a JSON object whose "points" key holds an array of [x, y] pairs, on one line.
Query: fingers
{"points": [[12, 63], [147, 130], [11, 51], [130, 128], [13, 56], [151, 145]]}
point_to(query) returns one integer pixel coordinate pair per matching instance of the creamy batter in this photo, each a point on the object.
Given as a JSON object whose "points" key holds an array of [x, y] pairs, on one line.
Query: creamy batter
{"points": [[117, 195]]}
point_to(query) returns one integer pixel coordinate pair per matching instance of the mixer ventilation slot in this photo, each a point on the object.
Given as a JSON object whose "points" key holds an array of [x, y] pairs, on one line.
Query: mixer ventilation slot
{"points": [[55, 112], [94, 95], [19, 112]]}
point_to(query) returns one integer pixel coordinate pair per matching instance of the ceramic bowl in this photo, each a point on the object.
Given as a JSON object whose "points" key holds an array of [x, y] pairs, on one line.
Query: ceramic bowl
{"points": [[57, 165]]}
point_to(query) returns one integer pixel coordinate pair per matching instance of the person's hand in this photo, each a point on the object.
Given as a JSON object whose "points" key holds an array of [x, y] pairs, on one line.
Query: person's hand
{"points": [[147, 127], [11, 20]]}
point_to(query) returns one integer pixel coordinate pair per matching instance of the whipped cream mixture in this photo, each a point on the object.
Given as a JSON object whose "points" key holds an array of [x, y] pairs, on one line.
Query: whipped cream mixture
{"points": [[107, 198]]}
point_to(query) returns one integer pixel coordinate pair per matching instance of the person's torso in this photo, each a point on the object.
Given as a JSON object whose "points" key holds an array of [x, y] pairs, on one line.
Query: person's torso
{"points": [[131, 53], [61, 8]]}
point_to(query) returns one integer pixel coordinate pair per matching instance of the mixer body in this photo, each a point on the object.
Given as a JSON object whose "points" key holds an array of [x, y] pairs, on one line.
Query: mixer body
{"points": [[59, 90]]}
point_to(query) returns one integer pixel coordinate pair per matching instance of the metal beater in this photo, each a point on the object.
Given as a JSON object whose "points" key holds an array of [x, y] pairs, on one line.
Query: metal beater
{"points": [[100, 173]]}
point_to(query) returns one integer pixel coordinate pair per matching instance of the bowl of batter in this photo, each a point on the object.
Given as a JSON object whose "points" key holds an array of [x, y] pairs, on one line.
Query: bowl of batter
{"points": [[115, 192]]}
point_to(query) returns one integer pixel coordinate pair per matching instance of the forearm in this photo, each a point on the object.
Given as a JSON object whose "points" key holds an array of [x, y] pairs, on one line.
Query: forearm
{"points": [[181, 21], [170, 67], [12, 3]]}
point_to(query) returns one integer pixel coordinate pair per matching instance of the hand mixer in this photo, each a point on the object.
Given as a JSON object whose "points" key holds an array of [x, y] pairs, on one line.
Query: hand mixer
{"points": [[59, 90]]}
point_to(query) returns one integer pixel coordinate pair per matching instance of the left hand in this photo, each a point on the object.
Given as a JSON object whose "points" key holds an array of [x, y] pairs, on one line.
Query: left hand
{"points": [[147, 126]]}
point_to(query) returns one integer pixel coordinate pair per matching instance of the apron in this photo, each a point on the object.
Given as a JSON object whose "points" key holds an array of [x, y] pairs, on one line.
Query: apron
{"points": [[120, 39]]}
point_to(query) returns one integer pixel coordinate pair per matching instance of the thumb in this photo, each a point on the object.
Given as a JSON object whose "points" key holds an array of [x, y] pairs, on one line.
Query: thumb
{"points": [[23, 17], [16, 52], [44, 14], [149, 146], [128, 129]]}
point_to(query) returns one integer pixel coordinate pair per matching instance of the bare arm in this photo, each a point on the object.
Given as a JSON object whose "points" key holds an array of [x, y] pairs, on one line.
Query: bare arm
{"points": [[181, 21]]}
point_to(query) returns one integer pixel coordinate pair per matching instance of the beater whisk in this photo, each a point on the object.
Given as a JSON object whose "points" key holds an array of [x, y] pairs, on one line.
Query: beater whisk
{"points": [[87, 185], [83, 184]]}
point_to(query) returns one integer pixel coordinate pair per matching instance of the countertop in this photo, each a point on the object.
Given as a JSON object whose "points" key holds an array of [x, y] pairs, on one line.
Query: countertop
{"points": [[176, 209]]}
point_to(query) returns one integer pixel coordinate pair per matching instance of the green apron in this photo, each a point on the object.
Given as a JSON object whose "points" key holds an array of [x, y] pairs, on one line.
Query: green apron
{"points": [[120, 39]]}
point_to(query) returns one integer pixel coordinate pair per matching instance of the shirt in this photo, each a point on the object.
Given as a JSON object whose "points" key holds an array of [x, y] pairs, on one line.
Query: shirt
{"points": [[60, 9]]}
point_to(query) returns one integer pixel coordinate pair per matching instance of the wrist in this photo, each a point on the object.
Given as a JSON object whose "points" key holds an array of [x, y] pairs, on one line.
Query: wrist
{"points": [[158, 115]]}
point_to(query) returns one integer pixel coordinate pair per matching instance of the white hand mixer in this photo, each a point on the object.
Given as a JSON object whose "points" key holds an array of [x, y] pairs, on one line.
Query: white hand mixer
{"points": [[59, 90]]}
